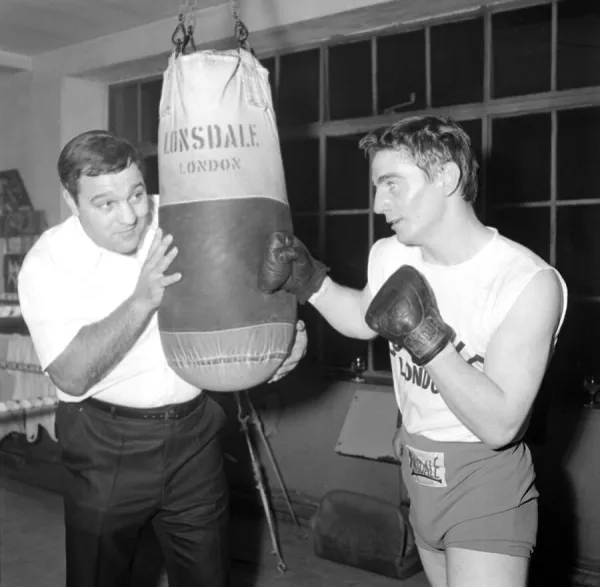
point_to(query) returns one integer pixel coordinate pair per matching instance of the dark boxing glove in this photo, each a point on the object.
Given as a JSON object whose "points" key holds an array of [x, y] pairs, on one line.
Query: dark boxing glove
{"points": [[276, 267], [405, 312], [289, 266]]}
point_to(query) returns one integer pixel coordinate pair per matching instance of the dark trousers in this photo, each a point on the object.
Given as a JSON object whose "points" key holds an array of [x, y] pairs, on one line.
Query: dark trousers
{"points": [[122, 472]]}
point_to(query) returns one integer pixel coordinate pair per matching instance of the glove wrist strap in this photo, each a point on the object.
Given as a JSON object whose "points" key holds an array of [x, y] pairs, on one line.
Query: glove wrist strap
{"points": [[324, 287]]}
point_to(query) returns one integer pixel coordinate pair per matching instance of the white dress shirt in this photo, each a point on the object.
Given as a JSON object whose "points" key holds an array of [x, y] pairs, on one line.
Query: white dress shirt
{"points": [[67, 282]]}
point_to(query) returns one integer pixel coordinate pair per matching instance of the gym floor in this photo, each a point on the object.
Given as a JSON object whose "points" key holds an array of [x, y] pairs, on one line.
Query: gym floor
{"points": [[32, 550]]}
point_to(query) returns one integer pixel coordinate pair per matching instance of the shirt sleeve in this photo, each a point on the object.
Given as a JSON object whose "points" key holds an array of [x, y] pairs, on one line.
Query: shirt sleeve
{"points": [[49, 307]]}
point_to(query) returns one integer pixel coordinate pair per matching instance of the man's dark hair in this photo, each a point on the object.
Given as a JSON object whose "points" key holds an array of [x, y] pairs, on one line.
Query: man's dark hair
{"points": [[92, 153], [430, 142]]}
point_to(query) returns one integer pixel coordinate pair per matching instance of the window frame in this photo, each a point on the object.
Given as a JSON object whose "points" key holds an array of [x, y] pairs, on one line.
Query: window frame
{"points": [[487, 111]]}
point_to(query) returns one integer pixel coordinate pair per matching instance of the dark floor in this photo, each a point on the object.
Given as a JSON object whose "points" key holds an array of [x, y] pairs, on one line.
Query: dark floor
{"points": [[32, 552]]}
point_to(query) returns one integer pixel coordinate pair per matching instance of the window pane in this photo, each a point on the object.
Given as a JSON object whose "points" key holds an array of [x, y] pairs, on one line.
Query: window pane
{"points": [[521, 51], [457, 62], [578, 154], [306, 228], [350, 94], [347, 174], [151, 176], [519, 169], [124, 111], [527, 226], [578, 248], [381, 355], [150, 104], [339, 350], [301, 165], [578, 348], [298, 99], [398, 78], [578, 59], [347, 248]]}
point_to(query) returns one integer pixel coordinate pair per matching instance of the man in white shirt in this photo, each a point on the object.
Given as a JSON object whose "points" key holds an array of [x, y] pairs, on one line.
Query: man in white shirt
{"points": [[138, 443]]}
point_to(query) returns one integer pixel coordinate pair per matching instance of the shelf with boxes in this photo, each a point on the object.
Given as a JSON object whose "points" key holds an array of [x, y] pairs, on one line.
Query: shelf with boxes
{"points": [[27, 396]]}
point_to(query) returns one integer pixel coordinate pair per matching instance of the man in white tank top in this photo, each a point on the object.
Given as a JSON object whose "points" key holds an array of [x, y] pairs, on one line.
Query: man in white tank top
{"points": [[472, 319]]}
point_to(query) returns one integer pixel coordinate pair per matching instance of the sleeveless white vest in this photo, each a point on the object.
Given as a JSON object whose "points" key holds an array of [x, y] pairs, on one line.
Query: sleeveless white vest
{"points": [[473, 298]]}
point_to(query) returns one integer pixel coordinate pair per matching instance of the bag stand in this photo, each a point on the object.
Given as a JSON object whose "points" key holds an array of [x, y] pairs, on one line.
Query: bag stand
{"points": [[253, 417]]}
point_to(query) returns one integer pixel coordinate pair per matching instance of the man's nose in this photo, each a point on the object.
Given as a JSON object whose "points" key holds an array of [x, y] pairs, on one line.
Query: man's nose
{"points": [[381, 203], [127, 214]]}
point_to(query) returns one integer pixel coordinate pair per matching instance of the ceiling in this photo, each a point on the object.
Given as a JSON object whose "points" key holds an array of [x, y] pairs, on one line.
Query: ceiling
{"points": [[31, 27]]}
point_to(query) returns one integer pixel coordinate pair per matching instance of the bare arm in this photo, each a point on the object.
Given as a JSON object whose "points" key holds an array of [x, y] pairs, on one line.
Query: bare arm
{"points": [[495, 404], [98, 347], [344, 308]]}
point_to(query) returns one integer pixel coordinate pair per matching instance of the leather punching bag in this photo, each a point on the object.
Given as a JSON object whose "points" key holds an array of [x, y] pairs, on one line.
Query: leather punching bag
{"points": [[222, 192]]}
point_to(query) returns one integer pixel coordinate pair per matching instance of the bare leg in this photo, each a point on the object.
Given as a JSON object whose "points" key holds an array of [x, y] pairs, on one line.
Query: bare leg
{"points": [[434, 564], [471, 568]]}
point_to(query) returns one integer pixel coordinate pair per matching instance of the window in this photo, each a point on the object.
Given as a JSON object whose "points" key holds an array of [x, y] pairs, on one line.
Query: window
{"points": [[521, 50], [533, 117], [457, 62], [578, 58], [350, 77], [401, 75], [298, 88], [133, 113]]}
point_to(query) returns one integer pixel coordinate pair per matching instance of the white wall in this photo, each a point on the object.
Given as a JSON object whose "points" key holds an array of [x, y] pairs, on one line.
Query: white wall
{"points": [[14, 114], [38, 113], [84, 106]]}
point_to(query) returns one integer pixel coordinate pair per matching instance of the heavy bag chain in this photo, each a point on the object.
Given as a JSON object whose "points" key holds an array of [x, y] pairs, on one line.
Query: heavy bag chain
{"points": [[183, 35], [241, 30]]}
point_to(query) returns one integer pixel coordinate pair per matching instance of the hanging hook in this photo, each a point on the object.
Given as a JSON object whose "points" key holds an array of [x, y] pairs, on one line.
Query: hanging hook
{"points": [[183, 35], [179, 35], [241, 31]]}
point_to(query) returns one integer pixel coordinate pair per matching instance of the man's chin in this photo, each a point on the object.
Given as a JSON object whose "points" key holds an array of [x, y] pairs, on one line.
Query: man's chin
{"points": [[127, 246]]}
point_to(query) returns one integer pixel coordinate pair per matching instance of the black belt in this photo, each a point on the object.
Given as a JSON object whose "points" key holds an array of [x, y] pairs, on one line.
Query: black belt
{"points": [[168, 412]]}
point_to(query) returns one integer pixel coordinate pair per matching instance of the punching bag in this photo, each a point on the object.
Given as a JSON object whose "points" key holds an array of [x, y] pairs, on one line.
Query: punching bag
{"points": [[222, 193]]}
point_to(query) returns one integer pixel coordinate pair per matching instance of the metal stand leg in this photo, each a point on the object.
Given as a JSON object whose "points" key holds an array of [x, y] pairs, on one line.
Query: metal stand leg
{"points": [[258, 478], [259, 427]]}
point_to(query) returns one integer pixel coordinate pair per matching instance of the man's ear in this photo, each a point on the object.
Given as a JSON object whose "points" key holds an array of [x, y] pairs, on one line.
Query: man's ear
{"points": [[70, 202], [449, 176]]}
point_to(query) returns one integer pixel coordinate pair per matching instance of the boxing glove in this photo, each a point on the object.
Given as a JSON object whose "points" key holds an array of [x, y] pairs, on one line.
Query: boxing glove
{"points": [[405, 312], [276, 267], [288, 265]]}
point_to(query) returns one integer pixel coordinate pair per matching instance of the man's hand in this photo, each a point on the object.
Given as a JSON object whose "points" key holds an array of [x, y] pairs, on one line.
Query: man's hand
{"points": [[405, 312], [288, 265], [152, 282], [298, 351]]}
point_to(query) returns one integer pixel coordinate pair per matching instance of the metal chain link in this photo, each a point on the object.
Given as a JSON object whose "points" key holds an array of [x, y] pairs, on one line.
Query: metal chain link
{"points": [[183, 35], [241, 31]]}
